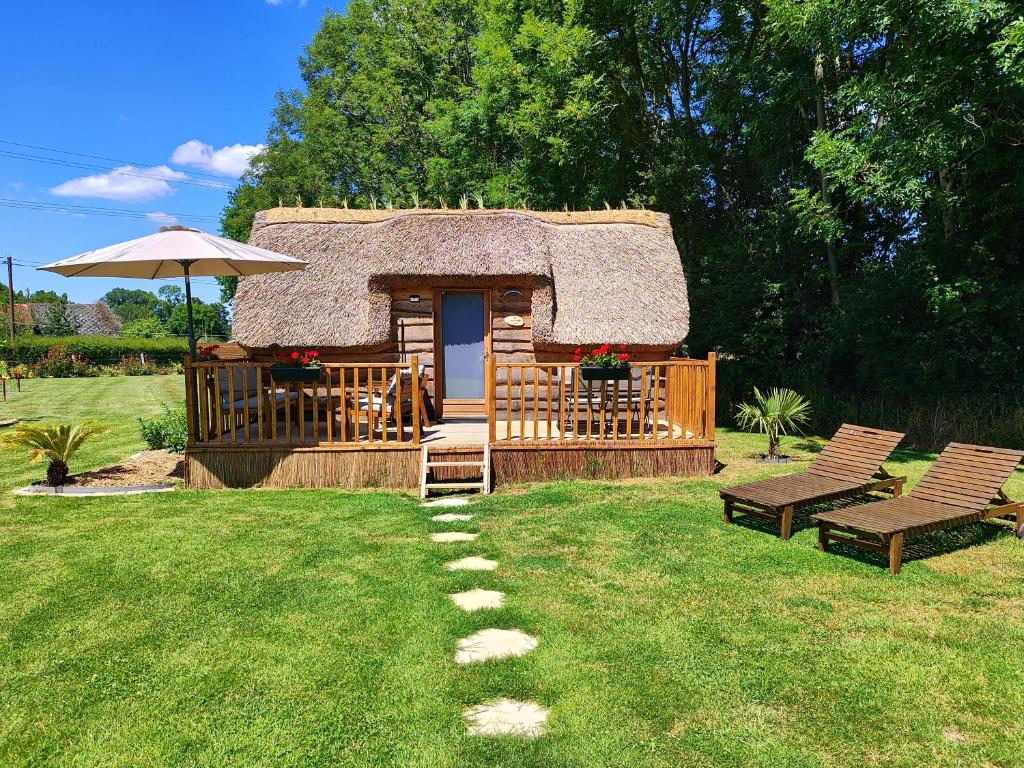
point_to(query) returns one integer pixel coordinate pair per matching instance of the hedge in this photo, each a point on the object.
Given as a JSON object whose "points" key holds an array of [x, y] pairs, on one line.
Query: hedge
{"points": [[100, 350]]}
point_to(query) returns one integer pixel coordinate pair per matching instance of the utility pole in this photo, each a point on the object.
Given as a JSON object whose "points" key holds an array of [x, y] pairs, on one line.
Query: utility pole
{"points": [[10, 298]]}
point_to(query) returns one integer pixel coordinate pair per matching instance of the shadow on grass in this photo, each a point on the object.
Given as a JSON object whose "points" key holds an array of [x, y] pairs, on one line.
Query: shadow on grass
{"points": [[930, 545]]}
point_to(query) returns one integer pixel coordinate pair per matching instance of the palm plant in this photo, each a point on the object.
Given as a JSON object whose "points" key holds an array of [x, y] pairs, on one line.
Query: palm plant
{"points": [[779, 412], [56, 442]]}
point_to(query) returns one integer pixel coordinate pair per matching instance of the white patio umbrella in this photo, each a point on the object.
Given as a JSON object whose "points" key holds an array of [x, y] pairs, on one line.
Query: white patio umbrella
{"points": [[176, 252]]}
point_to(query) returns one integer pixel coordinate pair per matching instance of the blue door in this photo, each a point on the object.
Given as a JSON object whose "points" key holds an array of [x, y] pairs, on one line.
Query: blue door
{"points": [[463, 348]]}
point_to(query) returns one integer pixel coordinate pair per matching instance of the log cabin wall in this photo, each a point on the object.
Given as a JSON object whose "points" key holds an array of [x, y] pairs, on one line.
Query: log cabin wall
{"points": [[413, 333]]}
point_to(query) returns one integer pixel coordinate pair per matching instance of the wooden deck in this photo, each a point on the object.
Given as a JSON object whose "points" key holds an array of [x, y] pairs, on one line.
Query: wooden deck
{"points": [[360, 425]]}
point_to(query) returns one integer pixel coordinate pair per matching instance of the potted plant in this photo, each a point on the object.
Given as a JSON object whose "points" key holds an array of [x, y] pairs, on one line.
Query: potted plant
{"points": [[602, 364], [297, 366], [779, 412]]}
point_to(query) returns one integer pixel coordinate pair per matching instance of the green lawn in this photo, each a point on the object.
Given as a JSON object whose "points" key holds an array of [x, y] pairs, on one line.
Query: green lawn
{"points": [[311, 628]]}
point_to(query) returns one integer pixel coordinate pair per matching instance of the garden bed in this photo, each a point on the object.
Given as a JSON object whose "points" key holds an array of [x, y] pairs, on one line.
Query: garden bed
{"points": [[147, 468]]}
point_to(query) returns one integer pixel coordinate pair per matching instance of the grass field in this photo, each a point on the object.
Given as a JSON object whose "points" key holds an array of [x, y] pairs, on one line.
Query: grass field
{"points": [[311, 628]]}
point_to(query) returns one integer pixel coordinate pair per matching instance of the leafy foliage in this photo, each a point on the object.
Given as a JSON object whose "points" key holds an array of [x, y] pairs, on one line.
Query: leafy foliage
{"points": [[169, 431], [780, 412], [57, 443], [844, 179], [59, 321]]}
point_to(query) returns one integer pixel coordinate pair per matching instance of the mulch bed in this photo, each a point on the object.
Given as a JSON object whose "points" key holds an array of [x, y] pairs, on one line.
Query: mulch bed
{"points": [[146, 468]]}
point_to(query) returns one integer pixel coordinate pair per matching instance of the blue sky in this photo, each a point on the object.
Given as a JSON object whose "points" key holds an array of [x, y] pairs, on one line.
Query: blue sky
{"points": [[182, 91]]}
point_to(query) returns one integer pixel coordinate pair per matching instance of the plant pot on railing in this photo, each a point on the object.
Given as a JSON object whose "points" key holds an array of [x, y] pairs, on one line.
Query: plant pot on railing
{"points": [[300, 373], [302, 367], [602, 364], [599, 373]]}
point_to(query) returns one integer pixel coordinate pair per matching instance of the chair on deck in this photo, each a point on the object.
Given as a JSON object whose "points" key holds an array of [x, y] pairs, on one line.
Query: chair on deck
{"points": [[963, 486], [625, 406], [241, 389], [375, 402], [850, 465]]}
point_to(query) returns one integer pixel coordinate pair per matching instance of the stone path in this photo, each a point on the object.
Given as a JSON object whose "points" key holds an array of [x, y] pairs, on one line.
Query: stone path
{"points": [[474, 563], [447, 502], [492, 643], [477, 599], [452, 536], [505, 717], [500, 717]]}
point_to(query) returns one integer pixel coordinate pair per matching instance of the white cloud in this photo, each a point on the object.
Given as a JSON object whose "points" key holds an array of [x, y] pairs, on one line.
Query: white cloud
{"points": [[301, 3], [16, 184], [231, 160], [162, 218], [126, 183]]}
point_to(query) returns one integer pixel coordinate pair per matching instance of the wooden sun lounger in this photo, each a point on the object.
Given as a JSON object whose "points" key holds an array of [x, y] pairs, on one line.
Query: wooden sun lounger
{"points": [[850, 465], [963, 486]]}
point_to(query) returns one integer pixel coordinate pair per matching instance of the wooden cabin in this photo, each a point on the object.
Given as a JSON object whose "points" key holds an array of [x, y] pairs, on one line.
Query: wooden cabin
{"points": [[448, 336]]}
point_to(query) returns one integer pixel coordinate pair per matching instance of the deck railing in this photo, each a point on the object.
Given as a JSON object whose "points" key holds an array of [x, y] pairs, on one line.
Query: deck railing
{"points": [[551, 403], [241, 403]]}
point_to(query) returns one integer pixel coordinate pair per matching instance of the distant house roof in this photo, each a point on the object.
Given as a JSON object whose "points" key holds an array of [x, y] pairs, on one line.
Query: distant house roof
{"points": [[93, 319], [597, 276]]}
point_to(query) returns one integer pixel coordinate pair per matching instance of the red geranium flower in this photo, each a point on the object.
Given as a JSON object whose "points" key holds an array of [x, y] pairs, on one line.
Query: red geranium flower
{"points": [[295, 356], [623, 357]]}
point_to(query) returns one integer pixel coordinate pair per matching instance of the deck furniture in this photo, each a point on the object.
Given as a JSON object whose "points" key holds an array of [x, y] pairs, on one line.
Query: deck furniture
{"points": [[239, 391], [617, 400], [963, 486], [850, 465], [379, 409]]}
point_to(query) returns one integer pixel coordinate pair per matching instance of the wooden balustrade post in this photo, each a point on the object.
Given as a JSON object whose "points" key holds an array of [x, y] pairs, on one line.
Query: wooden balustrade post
{"points": [[191, 404], [709, 430], [492, 398], [417, 398]]}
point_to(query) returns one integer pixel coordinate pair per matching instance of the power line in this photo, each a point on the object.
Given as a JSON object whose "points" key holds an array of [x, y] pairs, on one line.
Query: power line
{"points": [[101, 157], [89, 167], [9, 202]]}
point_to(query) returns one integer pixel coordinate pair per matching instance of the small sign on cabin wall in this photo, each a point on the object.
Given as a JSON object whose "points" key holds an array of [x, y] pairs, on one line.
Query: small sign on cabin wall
{"points": [[515, 321]]}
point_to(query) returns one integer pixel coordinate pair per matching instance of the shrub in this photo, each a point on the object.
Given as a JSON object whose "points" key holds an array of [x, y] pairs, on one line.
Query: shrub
{"points": [[134, 366], [58, 443], [58, 363], [101, 350], [169, 431]]}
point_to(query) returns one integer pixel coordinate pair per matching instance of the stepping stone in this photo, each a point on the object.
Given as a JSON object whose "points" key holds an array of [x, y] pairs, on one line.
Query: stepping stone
{"points": [[474, 563], [475, 599], [446, 503], [450, 517], [493, 644], [452, 536], [505, 717]]}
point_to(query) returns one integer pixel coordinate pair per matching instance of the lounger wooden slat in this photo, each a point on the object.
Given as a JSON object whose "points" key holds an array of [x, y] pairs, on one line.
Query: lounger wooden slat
{"points": [[850, 465], [962, 487]]}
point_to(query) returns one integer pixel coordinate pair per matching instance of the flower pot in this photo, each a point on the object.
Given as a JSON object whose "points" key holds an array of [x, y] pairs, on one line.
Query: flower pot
{"points": [[296, 373], [599, 373]]}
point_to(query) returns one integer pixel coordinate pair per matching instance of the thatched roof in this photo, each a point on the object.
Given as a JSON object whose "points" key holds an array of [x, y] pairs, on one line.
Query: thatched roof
{"points": [[95, 319], [597, 276]]}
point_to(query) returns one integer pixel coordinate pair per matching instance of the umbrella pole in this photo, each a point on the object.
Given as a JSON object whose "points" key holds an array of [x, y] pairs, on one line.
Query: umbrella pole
{"points": [[185, 264]]}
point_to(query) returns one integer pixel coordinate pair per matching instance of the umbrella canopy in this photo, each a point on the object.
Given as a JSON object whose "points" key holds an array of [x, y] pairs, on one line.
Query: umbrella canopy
{"points": [[161, 255], [176, 252]]}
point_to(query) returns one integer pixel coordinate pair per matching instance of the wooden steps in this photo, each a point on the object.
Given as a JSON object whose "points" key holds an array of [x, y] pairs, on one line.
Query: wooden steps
{"points": [[428, 483]]}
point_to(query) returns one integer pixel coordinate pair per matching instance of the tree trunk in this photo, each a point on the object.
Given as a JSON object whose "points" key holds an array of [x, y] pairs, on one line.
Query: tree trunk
{"points": [[56, 473], [826, 193]]}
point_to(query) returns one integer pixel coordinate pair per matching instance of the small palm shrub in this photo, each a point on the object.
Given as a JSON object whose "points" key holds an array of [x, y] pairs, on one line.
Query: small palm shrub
{"points": [[56, 442], [780, 412]]}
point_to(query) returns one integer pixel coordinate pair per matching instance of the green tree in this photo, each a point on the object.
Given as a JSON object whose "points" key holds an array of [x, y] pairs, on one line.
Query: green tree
{"points": [[211, 320], [59, 321], [131, 304], [143, 328]]}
